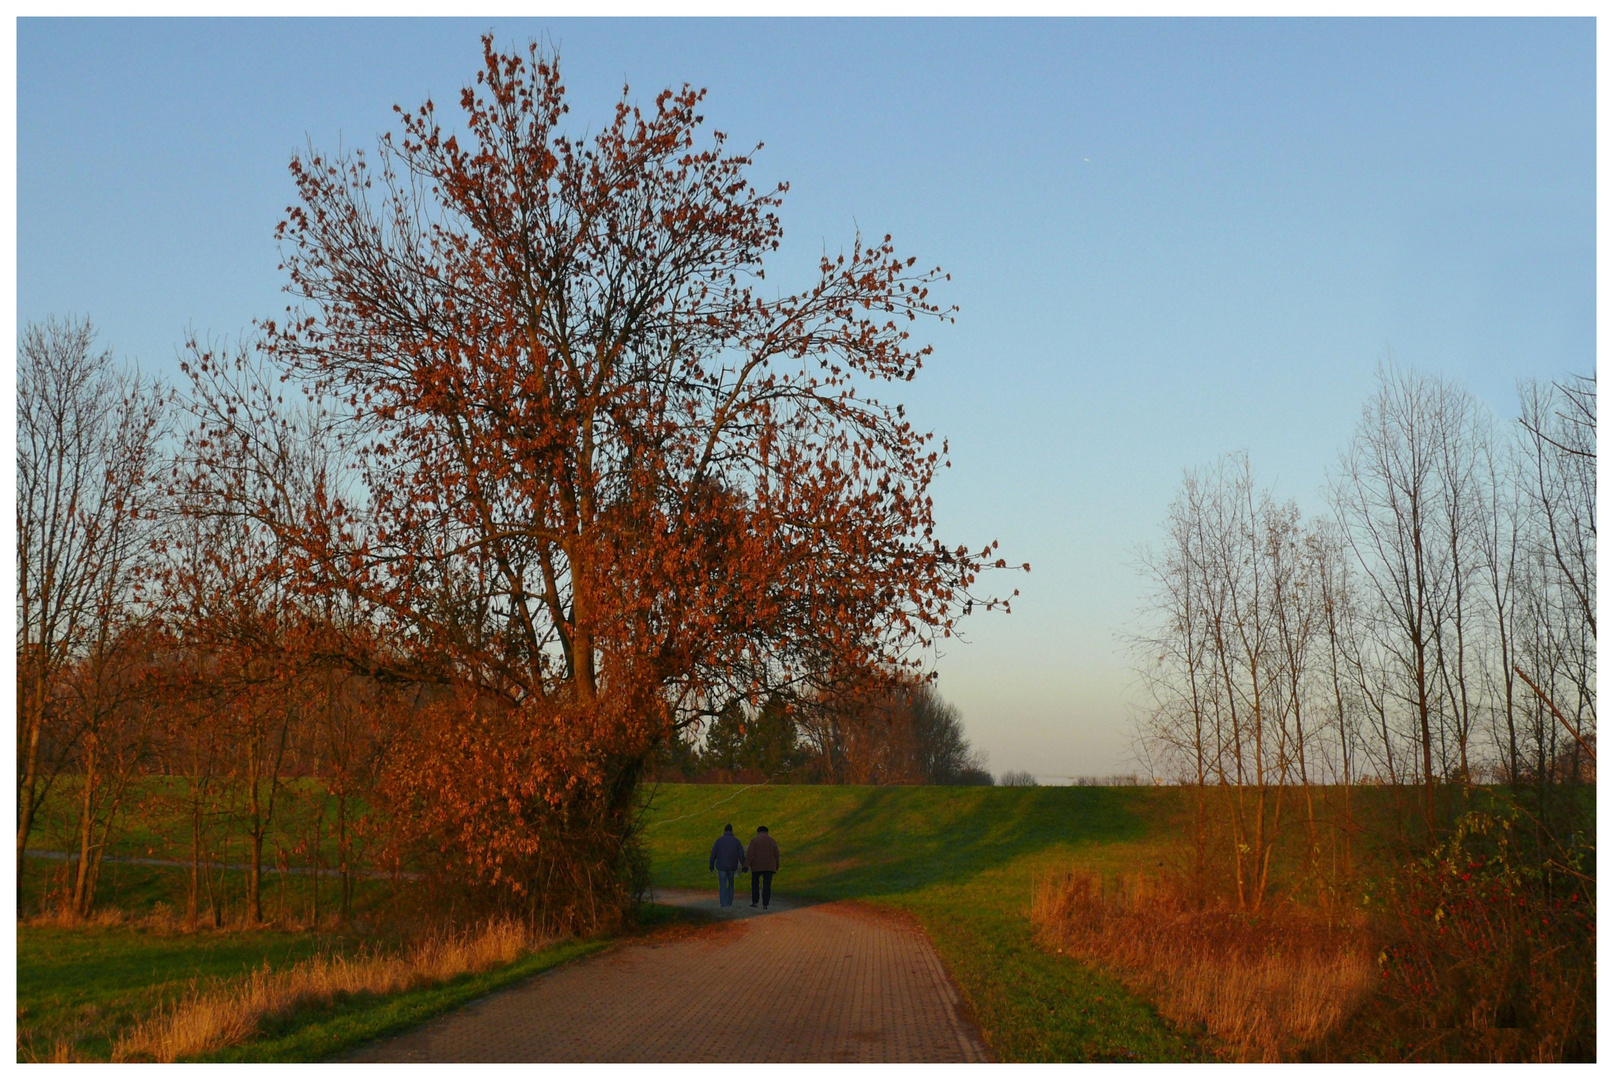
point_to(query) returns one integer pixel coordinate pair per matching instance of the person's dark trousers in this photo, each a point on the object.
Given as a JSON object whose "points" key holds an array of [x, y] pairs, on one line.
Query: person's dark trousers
{"points": [[761, 887]]}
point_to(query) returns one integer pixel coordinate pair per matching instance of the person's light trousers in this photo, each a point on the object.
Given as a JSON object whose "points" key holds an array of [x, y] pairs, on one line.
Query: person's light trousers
{"points": [[725, 888]]}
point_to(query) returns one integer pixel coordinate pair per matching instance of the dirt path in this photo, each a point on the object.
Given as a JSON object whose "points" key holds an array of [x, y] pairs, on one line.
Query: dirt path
{"points": [[829, 982]]}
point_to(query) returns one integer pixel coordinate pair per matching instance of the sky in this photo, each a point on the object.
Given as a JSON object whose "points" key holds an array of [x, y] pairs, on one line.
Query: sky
{"points": [[1168, 240]]}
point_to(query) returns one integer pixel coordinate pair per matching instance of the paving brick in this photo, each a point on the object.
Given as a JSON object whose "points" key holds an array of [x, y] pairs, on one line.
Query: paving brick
{"points": [[802, 982]]}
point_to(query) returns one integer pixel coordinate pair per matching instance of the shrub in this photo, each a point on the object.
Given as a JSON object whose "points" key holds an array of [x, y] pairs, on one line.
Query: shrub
{"points": [[1488, 950]]}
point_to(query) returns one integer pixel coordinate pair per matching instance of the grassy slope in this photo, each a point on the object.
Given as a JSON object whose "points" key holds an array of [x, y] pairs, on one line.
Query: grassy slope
{"points": [[964, 863], [154, 823]]}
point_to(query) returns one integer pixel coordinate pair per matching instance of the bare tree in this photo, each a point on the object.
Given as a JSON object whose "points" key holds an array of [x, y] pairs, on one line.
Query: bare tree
{"points": [[1338, 613], [1463, 433], [1283, 656], [1559, 484], [1294, 600], [1499, 526], [1174, 661], [1228, 658], [87, 456], [1396, 498]]}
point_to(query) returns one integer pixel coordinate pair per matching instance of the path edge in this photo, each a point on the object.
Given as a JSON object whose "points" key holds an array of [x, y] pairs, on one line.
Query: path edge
{"points": [[963, 1005]]}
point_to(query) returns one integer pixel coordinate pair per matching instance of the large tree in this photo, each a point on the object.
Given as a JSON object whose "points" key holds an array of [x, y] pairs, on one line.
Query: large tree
{"points": [[593, 478]]}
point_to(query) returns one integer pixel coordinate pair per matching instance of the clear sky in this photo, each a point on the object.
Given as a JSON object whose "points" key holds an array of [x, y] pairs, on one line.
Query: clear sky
{"points": [[1168, 240]]}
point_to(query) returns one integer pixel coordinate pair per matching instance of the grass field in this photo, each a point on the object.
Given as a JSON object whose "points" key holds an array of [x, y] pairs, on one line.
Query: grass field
{"points": [[965, 863]]}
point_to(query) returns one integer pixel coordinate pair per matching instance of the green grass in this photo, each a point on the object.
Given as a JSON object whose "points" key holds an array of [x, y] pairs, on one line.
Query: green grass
{"points": [[965, 863], [154, 824], [138, 891], [83, 985]]}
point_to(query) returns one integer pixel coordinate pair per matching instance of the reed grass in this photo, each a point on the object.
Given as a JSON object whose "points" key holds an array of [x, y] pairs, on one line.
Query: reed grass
{"points": [[1263, 986]]}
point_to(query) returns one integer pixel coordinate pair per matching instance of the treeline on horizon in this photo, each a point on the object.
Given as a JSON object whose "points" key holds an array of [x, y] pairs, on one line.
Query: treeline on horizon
{"points": [[909, 735]]}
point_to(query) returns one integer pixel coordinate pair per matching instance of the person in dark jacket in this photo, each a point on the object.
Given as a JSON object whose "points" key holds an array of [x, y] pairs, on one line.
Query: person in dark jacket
{"points": [[762, 855], [727, 856]]}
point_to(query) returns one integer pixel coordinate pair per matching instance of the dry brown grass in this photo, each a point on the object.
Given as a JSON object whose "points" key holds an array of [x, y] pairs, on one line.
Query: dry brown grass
{"points": [[161, 918], [1263, 987], [61, 1052], [66, 918], [215, 1017]]}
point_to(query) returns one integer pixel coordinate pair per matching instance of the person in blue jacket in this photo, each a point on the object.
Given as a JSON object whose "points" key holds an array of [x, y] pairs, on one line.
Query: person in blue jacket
{"points": [[727, 857]]}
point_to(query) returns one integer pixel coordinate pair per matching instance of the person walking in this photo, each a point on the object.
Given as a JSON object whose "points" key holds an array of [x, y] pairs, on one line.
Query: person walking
{"points": [[727, 856], [762, 855]]}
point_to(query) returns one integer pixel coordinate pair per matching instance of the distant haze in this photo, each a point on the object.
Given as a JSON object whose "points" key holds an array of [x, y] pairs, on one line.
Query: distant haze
{"points": [[1168, 239]]}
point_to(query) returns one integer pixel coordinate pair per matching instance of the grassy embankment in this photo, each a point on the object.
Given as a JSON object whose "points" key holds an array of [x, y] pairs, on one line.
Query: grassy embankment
{"points": [[966, 864], [155, 823]]}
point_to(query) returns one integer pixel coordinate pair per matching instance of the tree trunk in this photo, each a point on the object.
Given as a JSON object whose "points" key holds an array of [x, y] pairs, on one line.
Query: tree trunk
{"points": [[341, 854], [1427, 736], [28, 789], [98, 849], [193, 891], [254, 865], [81, 906], [314, 868]]}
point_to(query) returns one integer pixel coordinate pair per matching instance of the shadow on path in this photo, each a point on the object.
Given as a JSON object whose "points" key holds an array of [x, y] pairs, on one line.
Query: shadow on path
{"points": [[704, 902]]}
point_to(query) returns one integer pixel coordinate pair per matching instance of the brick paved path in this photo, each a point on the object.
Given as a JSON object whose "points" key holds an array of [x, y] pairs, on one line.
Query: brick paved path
{"points": [[830, 982]]}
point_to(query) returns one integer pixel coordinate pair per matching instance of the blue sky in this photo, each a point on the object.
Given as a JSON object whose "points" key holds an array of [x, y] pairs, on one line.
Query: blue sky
{"points": [[1169, 239]]}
